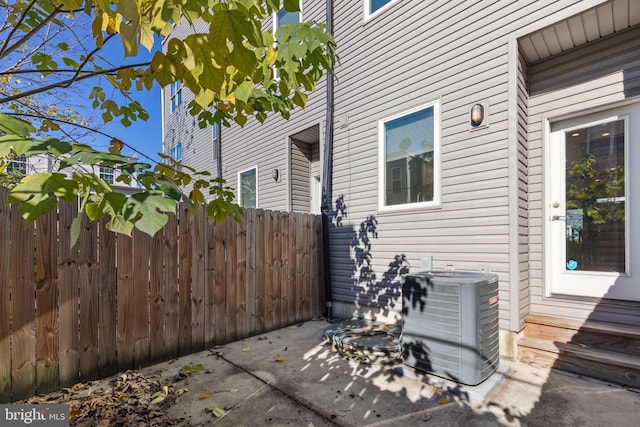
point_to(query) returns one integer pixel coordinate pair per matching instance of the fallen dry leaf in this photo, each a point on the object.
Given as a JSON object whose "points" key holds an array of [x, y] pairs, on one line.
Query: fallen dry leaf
{"points": [[160, 396], [280, 359], [234, 390], [181, 391], [443, 401], [73, 412], [192, 369], [204, 396], [218, 412], [245, 349]]}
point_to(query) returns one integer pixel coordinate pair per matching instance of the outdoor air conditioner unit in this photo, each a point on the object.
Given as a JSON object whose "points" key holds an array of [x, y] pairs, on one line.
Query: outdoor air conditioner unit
{"points": [[450, 324]]}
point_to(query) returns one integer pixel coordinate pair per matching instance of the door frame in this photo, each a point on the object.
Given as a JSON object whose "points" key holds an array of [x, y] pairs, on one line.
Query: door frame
{"points": [[586, 117]]}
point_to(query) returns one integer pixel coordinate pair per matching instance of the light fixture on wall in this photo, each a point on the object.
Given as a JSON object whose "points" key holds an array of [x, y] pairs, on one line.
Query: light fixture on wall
{"points": [[275, 174], [477, 115]]}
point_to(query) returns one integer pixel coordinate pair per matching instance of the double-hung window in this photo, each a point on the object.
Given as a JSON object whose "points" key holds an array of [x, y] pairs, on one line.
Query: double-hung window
{"points": [[409, 159], [373, 7], [176, 95], [248, 188], [107, 174]]}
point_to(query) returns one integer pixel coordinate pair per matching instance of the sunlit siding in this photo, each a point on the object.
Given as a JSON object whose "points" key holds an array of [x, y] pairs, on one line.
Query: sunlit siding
{"points": [[413, 53]]}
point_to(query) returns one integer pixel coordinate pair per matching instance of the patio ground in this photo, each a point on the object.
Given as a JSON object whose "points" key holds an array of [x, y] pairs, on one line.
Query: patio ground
{"points": [[292, 377]]}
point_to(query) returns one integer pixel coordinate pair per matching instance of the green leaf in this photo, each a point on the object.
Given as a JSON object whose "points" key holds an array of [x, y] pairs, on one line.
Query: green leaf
{"points": [[148, 210], [13, 126], [33, 193], [292, 5]]}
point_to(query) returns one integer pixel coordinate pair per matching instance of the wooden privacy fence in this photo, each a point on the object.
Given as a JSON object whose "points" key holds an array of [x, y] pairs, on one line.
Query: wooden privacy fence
{"points": [[113, 303]]}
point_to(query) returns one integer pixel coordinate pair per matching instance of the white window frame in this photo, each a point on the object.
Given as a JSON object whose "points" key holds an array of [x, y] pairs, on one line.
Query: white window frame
{"points": [[367, 9], [18, 164], [175, 89], [437, 160], [107, 172], [239, 191]]}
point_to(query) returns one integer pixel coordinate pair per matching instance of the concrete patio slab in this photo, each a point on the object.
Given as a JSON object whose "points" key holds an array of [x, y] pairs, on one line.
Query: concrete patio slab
{"points": [[292, 377]]}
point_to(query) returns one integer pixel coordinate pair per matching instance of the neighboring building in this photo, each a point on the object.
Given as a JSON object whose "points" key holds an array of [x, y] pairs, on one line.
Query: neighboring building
{"points": [[23, 165], [417, 182]]}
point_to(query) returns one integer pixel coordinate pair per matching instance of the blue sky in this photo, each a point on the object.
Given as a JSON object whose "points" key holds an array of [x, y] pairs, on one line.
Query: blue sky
{"points": [[145, 137]]}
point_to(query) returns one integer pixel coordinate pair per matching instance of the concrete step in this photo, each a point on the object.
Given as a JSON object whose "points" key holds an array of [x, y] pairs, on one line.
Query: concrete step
{"points": [[606, 351]]}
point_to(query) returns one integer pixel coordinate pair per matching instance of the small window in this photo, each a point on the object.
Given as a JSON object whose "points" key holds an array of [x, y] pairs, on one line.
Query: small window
{"points": [[18, 165], [373, 7], [409, 166], [284, 17], [176, 152], [107, 175], [176, 95], [215, 139], [248, 188]]}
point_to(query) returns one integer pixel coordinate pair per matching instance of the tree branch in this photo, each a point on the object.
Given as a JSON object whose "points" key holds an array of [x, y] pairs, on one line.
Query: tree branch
{"points": [[7, 50], [66, 83]]}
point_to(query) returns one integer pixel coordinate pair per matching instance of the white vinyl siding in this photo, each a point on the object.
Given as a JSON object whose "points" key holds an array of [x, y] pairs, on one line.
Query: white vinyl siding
{"points": [[458, 53], [267, 145], [596, 76], [180, 127]]}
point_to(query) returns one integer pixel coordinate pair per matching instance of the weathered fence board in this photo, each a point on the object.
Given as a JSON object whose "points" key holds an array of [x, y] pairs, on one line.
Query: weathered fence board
{"points": [[112, 302], [89, 299], [125, 303], [107, 312], [141, 248], [198, 242], [229, 283], [68, 302], [184, 279], [157, 281], [171, 287], [5, 310], [46, 304], [23, 315], [241, 280]]}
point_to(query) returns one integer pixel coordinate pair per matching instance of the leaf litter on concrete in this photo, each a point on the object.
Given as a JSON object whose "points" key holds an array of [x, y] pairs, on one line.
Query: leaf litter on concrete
{"points": [[130, 398]]}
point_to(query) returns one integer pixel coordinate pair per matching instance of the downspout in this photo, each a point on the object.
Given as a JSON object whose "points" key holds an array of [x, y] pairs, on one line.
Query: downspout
{"points": [[327, 173]]}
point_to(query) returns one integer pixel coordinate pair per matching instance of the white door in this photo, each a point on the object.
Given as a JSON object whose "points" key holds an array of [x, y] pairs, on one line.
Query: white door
{"points": [[315, 198], [592, 244]]}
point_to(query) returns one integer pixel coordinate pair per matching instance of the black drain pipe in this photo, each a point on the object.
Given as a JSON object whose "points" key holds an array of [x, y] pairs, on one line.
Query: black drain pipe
{"points": [[327, 174]]}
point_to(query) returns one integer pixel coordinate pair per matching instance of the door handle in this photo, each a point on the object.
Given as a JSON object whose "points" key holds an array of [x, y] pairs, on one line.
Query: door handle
{"points": [[558, 218]]}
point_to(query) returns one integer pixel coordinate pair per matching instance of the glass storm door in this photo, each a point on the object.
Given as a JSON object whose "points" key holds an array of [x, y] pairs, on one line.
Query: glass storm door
{"points": [[591, 243]]}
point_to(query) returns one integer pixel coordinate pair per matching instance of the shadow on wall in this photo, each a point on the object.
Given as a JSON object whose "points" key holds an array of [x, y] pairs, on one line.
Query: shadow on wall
{"points": [[355, 248]]}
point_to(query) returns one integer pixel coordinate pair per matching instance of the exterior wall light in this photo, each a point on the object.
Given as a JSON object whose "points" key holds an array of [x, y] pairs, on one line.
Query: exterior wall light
{"points": [[275, 174], [477, 115]]}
